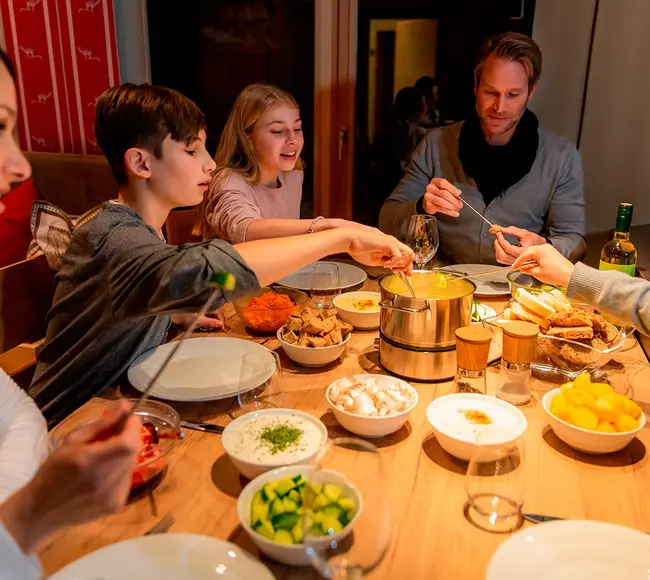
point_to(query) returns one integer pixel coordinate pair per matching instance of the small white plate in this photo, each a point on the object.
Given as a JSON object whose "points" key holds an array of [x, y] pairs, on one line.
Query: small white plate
{"points": [[573, 550], [167, 557], [491, 285], [203, 369], [350, 277]]}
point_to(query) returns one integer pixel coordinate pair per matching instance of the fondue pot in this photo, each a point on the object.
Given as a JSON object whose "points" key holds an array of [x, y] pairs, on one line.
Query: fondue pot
{"points": [[417, 337]]}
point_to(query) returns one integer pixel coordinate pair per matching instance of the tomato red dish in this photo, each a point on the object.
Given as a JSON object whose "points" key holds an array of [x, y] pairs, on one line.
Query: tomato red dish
{"points": [[149, 450], [267, 312]]}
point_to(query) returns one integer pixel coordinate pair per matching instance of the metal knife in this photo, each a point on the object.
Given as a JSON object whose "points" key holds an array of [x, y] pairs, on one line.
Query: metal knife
{"points": [[207, 427], [539, 519]]}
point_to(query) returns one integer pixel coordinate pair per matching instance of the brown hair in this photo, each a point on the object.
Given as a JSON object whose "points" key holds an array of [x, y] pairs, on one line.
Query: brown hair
{"points": [[512, 46], [235, 151], [143, 116], [4, 58]]}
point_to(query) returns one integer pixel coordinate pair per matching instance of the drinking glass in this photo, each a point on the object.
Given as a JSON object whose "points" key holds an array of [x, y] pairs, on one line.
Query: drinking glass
{"points": [[357, 546], [260, 382], [325, 284], [422, 238], [496, 481]]}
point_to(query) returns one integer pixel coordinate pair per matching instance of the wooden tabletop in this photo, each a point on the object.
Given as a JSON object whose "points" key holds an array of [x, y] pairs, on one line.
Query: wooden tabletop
{"points": [[431, 537]]}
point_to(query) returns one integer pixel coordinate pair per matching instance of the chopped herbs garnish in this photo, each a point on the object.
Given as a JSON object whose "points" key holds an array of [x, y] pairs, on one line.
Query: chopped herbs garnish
{"points": [[280, 437]]}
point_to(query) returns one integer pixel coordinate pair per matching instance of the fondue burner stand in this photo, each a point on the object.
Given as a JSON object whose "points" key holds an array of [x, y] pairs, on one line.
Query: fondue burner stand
{"points": [[416, 364]]}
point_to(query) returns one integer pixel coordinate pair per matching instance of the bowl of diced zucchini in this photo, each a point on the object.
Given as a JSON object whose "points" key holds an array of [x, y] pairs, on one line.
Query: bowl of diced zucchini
{"points": [[271, 508]]}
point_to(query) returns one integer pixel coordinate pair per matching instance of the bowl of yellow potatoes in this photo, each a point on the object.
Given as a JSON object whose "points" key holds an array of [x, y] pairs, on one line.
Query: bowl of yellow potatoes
{"points": [[591, 417]]}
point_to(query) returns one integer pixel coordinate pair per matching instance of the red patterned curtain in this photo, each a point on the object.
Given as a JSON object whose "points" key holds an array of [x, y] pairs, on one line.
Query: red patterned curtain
{"points": [[66, 55]]}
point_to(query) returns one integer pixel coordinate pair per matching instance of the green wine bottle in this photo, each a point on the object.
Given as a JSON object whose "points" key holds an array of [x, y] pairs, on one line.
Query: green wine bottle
{"points": [[619, 253]]}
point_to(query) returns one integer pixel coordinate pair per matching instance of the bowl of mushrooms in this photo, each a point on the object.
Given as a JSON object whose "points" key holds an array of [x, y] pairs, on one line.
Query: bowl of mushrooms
{"points": [[371, 405]]}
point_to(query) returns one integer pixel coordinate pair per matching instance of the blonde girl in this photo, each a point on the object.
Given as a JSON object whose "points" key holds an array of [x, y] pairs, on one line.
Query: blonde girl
{"points": [[257, 184]]}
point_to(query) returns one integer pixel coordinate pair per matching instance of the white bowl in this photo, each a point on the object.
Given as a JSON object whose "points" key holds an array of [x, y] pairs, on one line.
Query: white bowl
{"points": [[593, 442], [251, 470], [308, 356], [457, 436], [287, 554], [358, 318], [372, 426]]}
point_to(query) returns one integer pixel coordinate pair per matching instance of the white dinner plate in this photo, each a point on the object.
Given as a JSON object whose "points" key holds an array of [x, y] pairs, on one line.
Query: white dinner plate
{"points": [[350, 277], [490, 285], [167, 557], [203, 369], [573, 550]]}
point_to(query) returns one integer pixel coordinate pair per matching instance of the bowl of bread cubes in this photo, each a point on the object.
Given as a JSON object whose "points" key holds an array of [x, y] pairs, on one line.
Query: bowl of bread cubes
{"points": [[572, 337], [313, 337]]}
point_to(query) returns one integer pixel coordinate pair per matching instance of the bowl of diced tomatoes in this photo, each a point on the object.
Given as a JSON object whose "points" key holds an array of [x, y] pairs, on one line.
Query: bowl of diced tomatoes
{"points": [[159, 434], [268, 310]]}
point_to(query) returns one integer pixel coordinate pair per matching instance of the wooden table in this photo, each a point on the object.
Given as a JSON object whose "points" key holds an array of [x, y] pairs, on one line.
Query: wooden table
{"points": [[431, 539]]}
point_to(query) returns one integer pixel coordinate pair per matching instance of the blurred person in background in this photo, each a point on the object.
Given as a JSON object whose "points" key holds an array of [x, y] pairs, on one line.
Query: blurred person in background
{"points": [[428, 86], [391, 152]]}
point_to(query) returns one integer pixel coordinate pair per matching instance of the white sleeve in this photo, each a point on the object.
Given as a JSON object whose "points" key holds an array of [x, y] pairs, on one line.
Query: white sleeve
{"points": [[15, 564], [23, 437]]}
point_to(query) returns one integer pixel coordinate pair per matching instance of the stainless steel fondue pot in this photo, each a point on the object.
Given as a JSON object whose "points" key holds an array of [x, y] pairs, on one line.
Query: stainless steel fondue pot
{"points": [[417, 337]]}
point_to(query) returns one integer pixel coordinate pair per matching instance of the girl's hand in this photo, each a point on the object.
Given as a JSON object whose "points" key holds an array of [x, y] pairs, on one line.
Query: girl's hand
{"points": [[377, 249], [550, 266], [87, 477]]}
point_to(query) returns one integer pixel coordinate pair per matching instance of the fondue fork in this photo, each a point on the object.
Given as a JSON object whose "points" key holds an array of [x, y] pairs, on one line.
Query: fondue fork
{"points": [[218, 280], [478, 213], [495, 271], [408, 283]]}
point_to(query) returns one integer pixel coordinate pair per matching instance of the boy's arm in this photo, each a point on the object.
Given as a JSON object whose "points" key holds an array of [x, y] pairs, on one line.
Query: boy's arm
{"points": [[146, 276]]}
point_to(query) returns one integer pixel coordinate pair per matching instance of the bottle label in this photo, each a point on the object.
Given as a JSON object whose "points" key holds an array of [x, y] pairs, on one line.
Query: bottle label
{"points": [[626, 268]]}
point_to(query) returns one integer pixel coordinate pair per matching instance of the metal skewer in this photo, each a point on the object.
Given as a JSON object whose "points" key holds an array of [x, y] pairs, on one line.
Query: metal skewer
{"points": [[404, 277], [478, 213], [219, 280], [496, 271]]}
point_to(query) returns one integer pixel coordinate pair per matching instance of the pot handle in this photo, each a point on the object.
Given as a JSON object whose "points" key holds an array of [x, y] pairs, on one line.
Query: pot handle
{"points": [[389, 305]]}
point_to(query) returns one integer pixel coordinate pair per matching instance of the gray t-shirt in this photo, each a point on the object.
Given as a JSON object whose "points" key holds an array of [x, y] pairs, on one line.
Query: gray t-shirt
{"points": [[548, 200], [118, 284]]}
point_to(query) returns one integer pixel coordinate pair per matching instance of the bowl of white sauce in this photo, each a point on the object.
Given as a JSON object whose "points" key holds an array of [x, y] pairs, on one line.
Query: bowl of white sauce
{"points": [[457, 420], [264, 440]]}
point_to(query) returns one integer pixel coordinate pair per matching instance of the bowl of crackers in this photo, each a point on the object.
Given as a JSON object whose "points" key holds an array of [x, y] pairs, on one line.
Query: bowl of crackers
{"points": [[313, 337], [573, 337]]}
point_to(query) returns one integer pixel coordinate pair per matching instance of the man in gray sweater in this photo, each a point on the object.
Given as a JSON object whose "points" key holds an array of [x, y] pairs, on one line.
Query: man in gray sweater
{"points": [[511, 171]]}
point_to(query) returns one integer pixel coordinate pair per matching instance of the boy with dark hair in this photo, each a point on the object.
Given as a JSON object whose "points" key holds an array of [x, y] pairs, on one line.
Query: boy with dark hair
{"points": [[120, 281]]}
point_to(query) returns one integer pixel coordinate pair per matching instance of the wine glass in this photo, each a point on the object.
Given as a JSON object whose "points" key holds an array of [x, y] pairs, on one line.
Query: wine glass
{"points": [[355, 541], [325, 284], [422, 238], [496, 481], [259, 384]]}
